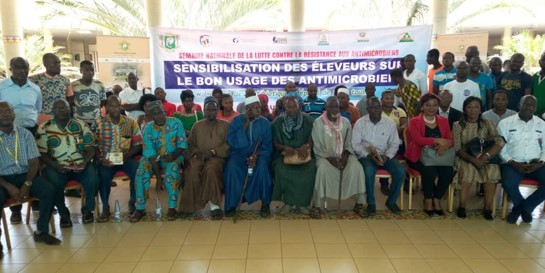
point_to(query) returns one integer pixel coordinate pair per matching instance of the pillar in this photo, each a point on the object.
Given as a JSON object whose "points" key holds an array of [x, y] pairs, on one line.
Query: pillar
{"points": [[12, 31], [297, 16], [507, 34], [154, 15], [439, 11]]}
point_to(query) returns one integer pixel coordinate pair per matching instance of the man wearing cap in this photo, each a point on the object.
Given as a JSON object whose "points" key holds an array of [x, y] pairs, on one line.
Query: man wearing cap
{"points": [[164, 142], [208, 149], [348, 110], [248, 164]]}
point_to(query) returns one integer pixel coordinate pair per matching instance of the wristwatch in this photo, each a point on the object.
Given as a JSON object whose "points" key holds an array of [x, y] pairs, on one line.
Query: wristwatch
{"points": [[28, 183]]}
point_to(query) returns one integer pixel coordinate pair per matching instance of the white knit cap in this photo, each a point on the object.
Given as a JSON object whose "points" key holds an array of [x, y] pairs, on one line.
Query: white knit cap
{"points": [[250, 100], [343, 90]]}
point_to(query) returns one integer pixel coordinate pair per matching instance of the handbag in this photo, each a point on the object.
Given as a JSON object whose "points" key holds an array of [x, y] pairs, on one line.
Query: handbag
{"points": [[296, 160], [479, 146], [429, 157]]}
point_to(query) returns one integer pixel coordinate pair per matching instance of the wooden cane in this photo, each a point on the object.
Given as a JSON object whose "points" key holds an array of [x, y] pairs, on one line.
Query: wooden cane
{"points": [[340, 191], [244, 187]]}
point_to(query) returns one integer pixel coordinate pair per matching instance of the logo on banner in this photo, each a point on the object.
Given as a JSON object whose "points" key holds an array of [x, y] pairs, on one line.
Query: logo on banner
{"points": [[323, 39], [235, 40], [278, 40], [124, 45], [205, 40], [169, 41], [406, 38], [362, 37]]}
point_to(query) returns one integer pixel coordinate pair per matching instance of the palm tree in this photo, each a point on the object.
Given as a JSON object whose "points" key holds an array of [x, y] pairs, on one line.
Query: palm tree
{"points": [[128, 17], [529, 45]]}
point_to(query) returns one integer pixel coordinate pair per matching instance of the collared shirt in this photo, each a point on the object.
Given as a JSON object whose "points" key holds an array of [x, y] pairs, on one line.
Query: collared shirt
{"points": [[314, 108], [130, 96], [395, 115], [443, 77], [66, 145], [495, 118], [87, 99], [53, 88], [524, 140], [382, 135], [418, 78], [26, 101], [165, 139], [117, 137], [444, 113], [27, 150]]}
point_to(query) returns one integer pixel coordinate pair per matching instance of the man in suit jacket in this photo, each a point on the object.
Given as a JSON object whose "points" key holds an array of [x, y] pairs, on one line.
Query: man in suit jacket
{"points": [[445, 110]]}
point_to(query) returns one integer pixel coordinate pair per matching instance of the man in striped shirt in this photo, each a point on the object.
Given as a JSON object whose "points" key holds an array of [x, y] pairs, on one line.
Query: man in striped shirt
{"points": [[313, 105]]}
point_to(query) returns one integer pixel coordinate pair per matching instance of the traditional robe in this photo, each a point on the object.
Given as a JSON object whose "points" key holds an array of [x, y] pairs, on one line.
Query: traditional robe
{"points": [[243, 142], [204, 179], [293, 184], [327, 176]]}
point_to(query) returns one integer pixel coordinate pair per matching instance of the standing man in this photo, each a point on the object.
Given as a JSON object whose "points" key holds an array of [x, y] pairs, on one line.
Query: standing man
{"points": [[291, 91], [67, 146], [130, 96], [433, 59], [208, 149], [516, 82], [164, 143], [446, 111], [312, 104], [335, 159], [375, 143], [370, 90], [462, 88], [445, 75], [119, 141], [26, 99], [161, 95], [19, 160], [538, 86], [485, 83], [53, 85], [412, 74], [250, 138], [89, 94], [406, 92], [348, 110], [525, 157], [495, 71]]}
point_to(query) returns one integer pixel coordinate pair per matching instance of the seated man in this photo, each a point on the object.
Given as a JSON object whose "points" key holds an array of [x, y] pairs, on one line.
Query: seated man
{"points": [[332, 136], [249, 160], [207, 152], [164, 142], [292, 137], [67, 146], [525, 156], [19, 159], [375, 142], [446, 111], [119, 141]]}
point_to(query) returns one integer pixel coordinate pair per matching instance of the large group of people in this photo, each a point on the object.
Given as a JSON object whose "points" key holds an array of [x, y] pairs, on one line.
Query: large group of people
{"points": [[304, 151]]}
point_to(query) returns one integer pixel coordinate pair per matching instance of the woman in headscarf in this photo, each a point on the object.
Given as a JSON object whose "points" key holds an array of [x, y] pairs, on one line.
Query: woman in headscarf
{"points": [[265, 112]]}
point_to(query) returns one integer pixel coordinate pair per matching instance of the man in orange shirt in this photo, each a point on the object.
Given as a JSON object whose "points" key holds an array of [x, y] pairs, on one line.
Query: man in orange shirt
{"points": [[433, 59]]}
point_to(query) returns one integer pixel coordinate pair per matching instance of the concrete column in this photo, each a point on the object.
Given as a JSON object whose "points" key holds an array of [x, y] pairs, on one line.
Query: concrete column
{"points": [[439, 11], [12, 31], [154, 14], [297, 16], [507, 34]]}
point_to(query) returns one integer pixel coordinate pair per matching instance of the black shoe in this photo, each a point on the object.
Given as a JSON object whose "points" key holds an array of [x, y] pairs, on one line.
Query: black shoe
{"points": [[87, 216], [66, 222], [315, 213], [439, 212], [461, 213], [35, 205], [15, 217], [358, 209], [513, 216], [385, 189], [371, 210], [393, 208], [217, 214], [137, 215], [72, 193], [230, 213], [430, 213], [265, 211], [132, 208], [526, 216], [487, 214], [46, 238]]}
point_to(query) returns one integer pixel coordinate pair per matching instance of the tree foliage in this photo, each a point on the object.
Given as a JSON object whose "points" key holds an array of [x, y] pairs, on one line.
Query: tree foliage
{"points": [[529, 45]]}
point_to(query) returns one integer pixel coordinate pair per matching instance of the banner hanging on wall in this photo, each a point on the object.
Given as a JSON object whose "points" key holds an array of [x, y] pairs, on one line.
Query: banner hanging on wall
{"points": [[202, 60]]}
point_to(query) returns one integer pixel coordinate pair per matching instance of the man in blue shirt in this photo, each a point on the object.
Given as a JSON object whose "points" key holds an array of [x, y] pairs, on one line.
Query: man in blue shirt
{"points": [[485, 83], [445, 75], [312, 105]]}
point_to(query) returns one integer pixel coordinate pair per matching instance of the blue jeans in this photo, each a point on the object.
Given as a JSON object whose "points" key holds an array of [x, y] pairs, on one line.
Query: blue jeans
{"points": [[88, 179], [510, 180], [107, 174], [393, 167], [41, 189]]}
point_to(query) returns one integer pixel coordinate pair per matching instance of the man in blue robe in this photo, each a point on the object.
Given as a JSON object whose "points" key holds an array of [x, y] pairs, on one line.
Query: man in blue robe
{"points": [[250, 138]]}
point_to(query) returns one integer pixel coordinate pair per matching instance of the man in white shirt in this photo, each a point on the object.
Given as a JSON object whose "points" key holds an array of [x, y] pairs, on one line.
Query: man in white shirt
{"points": [[525, 157], [375, 142], [415, 75], [130, 96], [462, 88]]}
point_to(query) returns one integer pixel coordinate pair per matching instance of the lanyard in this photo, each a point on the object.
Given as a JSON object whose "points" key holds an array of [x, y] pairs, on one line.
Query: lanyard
{"points": [[15, 153]]}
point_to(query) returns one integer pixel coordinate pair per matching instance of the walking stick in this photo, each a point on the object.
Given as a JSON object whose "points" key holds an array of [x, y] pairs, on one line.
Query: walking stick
{"points": [[340, 191], [244, 187]]}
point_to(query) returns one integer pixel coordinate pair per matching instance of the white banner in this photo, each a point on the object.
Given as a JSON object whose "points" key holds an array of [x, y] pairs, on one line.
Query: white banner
{"points": [[201, 60]]}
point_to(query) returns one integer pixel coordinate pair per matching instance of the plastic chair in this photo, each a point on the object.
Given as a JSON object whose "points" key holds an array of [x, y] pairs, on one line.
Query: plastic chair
{"points": [[525, 182]]}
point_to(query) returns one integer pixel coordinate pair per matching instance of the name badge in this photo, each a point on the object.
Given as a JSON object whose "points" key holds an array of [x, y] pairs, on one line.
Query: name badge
{"points": [[116, 158]]}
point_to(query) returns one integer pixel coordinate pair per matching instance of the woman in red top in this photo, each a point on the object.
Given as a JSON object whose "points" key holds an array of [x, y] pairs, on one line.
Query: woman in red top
{"points": [[430, 129], [227, 113]]}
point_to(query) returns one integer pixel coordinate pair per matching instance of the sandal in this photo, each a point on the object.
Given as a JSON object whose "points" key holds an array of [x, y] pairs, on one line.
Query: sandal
{"points": [[137, 215], [315, 213], [217, 214], [172, 214]]}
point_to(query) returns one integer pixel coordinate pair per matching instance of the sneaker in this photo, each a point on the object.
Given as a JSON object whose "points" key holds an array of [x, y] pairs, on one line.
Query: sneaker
{"points": [[461, 213], [132, 208], [137, 215], [15, 217], [265, 211], [371, 210], [217, 214], [393, 208], [286, 209], [526, 216], [385, 189], [487, 214], [315, 213], [87, 217], [105, 215], [44, 237]]}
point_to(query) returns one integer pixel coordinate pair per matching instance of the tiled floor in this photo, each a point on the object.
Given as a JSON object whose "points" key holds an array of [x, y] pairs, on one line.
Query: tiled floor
{"points": [[432, 245]]}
